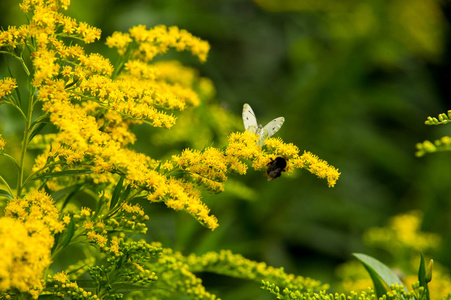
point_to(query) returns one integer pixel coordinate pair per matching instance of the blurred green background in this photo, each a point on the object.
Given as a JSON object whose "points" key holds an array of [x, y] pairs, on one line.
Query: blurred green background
{"points": [[355, 82]]}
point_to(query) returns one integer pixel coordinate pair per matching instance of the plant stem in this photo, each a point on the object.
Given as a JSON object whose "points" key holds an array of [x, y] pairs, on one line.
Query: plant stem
{"points": [[25, 141], [7, 185]]}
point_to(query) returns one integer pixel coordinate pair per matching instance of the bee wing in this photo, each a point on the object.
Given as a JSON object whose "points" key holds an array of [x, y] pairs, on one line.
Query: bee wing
{"points": [[272, 127], [249, 119]]}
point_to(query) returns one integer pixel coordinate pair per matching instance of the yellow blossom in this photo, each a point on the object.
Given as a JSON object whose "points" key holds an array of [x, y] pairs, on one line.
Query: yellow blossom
{"points": [[24, 255], [114, 246], [120, 41], [85, 211], [7, 85], [157, 40], [14, 36], [89, 33], [37, 205], [88, 225], [61, 277], [403, 232], [2, 143]]}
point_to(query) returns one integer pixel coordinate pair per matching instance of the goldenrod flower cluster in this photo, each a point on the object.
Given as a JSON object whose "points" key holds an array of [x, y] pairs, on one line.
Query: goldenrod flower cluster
{"points": [[402, 233], [7, 85], [157, 40], [235, 265], [176, 273], [93, 105], [26, 238], [62, 287]]}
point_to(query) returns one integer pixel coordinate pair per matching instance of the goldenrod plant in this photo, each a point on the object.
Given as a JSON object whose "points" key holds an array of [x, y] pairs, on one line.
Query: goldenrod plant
{"points": [[88, 107], [78, 111]]}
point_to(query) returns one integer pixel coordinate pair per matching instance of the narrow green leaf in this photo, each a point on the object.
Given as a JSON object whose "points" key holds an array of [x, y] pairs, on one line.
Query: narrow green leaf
{"points": [[41, 119], [63, 173], [71, 194], [422, 271], [99, 206], [12, 159], [116, 193], [381, 275], [36, 130], [69, 233], [5, 194], [123, 287], [127, 191], [422, 276], [63, 192]]}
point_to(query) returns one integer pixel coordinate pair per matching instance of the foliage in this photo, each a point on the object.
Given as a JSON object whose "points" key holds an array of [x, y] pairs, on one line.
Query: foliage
{"points": [[442, 144], [404, 241], [92, 106], [90, 190]]}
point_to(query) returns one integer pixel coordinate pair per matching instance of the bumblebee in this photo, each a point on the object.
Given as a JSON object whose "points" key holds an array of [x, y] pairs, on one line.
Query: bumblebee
{"points": [[275, 168]]}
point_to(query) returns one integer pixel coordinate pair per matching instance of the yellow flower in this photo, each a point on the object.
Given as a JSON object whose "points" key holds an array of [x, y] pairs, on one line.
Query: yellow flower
{"points": [[120, 41], [37, 205], [2, 143], [7, 85], [85, 212], [61, 277], [24, 255], [318, 167], [89, 33], [403, 232], [158, 40]]}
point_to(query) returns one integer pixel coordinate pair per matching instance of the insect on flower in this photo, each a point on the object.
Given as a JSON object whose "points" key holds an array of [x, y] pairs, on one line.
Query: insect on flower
{"points": [[275, 168], [251, 125]]}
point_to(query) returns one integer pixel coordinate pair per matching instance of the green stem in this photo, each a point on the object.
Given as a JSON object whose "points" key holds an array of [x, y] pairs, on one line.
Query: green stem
{"points": [[25, 141], [7, 185], [22, 62]]}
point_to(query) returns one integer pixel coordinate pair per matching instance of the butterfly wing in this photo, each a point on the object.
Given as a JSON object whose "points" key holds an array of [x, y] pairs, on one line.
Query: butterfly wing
{"points": [[249, 119], [270, 129]]}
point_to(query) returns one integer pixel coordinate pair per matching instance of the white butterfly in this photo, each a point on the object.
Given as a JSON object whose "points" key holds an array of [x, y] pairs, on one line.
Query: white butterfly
{"points": [[251, 125]]}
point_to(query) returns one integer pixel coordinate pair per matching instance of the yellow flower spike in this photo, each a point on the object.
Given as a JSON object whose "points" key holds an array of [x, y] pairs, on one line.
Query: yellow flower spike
{"points": [[157, 40], [89, 33], [317, 167], [279, 148], [243, 145]]}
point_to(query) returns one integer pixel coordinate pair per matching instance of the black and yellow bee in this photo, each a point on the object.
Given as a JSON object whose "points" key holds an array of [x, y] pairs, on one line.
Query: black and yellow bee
{"points": [[275, 168]]}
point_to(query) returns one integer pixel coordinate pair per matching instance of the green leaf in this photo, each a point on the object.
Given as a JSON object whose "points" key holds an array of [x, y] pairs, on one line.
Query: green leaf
{"points": [[381, 275], [5, 194], [36, 130], [422, 276], [71, 194], [99, 206], [63, 173], [69, 233], [10, 158], [116, 193], [63, 192]]}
